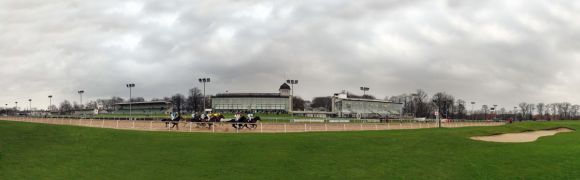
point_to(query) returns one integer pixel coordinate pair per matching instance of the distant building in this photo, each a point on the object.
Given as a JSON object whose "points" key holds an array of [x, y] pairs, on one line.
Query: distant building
{"points": [[253, 102], [364, 108], [154, 107]]}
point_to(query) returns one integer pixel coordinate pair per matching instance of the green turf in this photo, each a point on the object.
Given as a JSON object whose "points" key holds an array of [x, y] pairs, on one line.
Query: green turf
{"points": [[41, 151]]}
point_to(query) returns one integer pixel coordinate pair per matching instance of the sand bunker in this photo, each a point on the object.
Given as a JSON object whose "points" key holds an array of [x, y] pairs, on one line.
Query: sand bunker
{"points": [[529, 136]]}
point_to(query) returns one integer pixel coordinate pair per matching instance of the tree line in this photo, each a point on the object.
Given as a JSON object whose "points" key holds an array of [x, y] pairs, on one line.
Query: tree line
{"points": [[415, 104]]}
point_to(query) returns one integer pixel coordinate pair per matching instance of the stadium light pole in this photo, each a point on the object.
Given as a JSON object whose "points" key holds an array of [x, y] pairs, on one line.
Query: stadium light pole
{"points": [[204, 81], [494, 111], [130, 86], [49, 103], [81, 92], [292, 82], [16, 106], [515, 113], [472, 110], [29, 105], [365, 89]]}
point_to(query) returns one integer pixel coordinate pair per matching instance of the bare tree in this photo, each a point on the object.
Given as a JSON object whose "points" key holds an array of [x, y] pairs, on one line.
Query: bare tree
{"points": [[460, 108], [322, 102], [297, 103], [92, 105], [574, 111], [194, 100], [541, 108], [444, 102], [524, 109], [554, 108], [138, 99], [531, 109], [565, 106], [65, 107], [178, 102]]}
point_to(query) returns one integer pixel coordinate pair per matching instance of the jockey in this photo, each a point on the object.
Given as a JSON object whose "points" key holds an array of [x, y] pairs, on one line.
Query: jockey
{"points": [[238, 116], [173, 116]]}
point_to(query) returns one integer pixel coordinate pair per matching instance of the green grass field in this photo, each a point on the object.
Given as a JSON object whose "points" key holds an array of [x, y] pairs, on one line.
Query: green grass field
{"points": [[41, 151]]}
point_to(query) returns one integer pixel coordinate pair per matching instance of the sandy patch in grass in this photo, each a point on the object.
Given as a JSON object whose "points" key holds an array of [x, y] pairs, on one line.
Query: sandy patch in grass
{"points": [[522, 137]]}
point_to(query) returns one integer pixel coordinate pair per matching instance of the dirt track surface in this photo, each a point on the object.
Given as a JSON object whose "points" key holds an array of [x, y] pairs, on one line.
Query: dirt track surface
{"points": [[260, 127], [522, 137]]}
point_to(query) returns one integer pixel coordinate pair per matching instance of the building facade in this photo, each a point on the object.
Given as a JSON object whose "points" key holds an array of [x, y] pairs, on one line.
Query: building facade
{"points": [[253, 102], [364, 108]]}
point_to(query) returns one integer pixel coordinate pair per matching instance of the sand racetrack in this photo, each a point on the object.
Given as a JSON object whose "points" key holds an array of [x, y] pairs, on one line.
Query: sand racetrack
{"points": [[529, 136]]}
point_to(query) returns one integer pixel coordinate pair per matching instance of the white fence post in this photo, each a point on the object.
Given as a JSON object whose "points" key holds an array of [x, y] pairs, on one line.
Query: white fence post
{"points": [[117, 126], [261, 128], [325, 127], [150, 125], [285, 130]]}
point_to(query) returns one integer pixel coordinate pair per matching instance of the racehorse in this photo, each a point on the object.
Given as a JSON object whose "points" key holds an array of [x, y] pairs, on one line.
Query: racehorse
{"points": [[197, 120], [214, 119], [252, 122], [175, 122], [239, 122]]}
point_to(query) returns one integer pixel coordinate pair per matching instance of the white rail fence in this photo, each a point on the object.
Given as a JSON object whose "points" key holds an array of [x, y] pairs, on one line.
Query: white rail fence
{"points": [[225, 127]]}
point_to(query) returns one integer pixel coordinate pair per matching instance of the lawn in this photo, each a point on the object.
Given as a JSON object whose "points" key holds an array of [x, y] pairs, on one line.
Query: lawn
{"points": [[41, 151]]}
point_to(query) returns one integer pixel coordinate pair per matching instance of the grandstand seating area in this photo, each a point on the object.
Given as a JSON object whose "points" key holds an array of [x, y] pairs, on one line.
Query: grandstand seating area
{"points": [[143, 108]]}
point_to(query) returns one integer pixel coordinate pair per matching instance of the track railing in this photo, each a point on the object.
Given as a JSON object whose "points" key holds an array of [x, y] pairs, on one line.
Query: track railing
{"points": [[260, 127]]}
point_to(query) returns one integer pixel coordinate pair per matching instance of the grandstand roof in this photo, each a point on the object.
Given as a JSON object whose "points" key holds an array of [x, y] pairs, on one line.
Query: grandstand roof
{"points": [[285, 86], [151, 102], [249, 95]]}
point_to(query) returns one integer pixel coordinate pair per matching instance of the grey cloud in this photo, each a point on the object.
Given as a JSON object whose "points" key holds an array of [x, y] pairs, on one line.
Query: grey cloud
{"points": [[499, 52]]}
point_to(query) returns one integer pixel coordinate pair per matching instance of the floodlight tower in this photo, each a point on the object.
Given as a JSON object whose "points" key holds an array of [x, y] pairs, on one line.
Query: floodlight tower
{"points": [[16, 106], [495, 111], [472, 110], [364, 89], [515, 112], [292, 82], [49, 103], [130, 86], [81, 92], [29, 105], [204, 81]]}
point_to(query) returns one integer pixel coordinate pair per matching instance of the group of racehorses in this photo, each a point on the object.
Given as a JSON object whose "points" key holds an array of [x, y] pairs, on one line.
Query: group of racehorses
{"points": [[207, 121]]}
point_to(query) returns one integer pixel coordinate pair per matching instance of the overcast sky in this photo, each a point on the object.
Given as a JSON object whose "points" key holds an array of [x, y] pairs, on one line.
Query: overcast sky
{"points": [[492, 52]]}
